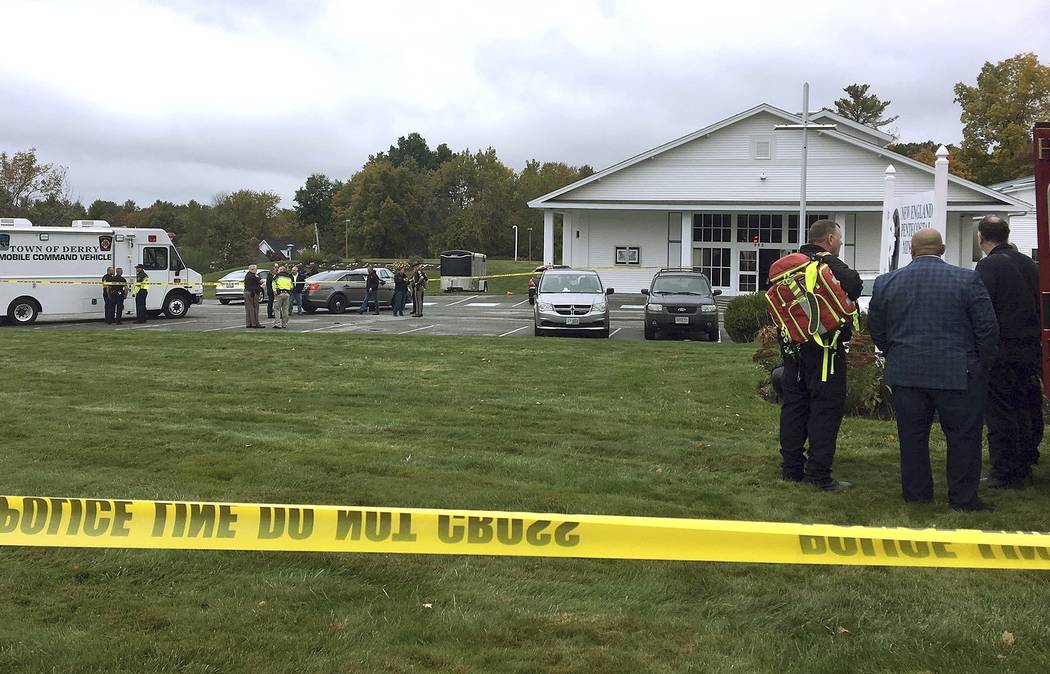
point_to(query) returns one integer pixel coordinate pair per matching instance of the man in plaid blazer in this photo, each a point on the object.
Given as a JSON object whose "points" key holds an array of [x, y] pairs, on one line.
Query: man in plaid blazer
{"points": [[935, 324]]}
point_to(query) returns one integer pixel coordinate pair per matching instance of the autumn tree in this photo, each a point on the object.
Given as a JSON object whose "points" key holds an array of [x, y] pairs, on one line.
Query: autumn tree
{"points": [[860, 106], [926, 152], [23, 180], [998, 115]]}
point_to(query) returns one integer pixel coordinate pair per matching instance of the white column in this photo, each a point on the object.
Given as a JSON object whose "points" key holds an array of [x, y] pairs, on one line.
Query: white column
{"points": [[886, 237], [548, 237], [687, 240], [568, 231], [940, 191]]}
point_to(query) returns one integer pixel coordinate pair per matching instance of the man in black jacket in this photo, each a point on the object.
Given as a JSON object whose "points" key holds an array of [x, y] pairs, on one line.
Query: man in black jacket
{"points": [[107, 294], [372, 283], [1014, 408], [812, 408]]}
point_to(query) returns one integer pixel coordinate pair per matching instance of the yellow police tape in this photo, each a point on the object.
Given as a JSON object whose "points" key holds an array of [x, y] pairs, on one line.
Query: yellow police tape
{"points": [[116, 523]]}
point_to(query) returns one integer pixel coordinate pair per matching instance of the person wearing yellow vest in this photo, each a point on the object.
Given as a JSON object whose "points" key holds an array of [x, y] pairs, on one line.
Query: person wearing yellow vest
{"points": [[140, 288], [283, 284]]}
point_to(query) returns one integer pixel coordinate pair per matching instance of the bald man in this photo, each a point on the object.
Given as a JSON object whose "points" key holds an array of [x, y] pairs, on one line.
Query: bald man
{"points": [[935, 324]]}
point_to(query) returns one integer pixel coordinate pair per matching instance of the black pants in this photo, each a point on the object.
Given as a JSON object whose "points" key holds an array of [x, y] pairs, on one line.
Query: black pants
{"points": [[107, 300], [961, 414], [140, 306], [811, 410], [269, 305], [1014, 414], [118, 308]]}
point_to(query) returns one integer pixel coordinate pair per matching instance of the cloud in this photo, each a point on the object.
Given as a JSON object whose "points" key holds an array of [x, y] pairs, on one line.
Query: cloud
{"points": [[180, 99]]}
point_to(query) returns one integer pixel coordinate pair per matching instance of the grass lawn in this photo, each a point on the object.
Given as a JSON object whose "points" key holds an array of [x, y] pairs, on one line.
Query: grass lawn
{"points": [[566, 425]]}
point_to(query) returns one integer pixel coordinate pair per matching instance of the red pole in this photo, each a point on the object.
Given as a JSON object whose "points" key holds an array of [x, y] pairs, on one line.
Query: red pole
{"points": [[1041, 147]]}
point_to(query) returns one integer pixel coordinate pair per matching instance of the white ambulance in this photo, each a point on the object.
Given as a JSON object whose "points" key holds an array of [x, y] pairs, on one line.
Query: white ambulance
{"points": [[34, 261]]}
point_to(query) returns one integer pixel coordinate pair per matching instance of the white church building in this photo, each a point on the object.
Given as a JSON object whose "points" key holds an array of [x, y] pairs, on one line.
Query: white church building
{"points": [[726, 199]]}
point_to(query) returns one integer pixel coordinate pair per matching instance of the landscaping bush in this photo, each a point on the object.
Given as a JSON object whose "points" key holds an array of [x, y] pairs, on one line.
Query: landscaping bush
{"points": [[866, 394], [744, 315]]}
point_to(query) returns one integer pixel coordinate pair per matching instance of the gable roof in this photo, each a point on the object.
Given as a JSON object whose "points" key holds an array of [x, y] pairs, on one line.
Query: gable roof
{"points": [[542, 202], [857, 126], [1015, 185]]}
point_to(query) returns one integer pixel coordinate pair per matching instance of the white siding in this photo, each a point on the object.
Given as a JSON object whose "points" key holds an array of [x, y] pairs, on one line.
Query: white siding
{"points": [[609, 229], [720, 168], [1022, 227], [868, 242]]}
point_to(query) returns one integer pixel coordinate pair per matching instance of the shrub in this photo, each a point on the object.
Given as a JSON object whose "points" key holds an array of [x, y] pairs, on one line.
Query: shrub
{"points": [[744, 315], [866, 393]]}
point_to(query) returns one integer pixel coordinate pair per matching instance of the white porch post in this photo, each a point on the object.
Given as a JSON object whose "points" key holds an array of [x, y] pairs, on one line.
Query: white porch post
{"points": [[567, 232], [886, 237], [940, 191], [548, 237], [687, 240]]}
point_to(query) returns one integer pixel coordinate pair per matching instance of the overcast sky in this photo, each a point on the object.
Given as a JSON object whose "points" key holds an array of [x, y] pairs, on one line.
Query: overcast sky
{"points": [[185, 99]]}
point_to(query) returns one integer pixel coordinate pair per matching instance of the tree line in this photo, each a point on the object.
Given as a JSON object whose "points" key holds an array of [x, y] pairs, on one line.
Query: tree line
{"points": [[414, 201]]}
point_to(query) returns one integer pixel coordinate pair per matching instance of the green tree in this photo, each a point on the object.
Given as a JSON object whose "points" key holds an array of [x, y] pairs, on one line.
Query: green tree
{"points": [[23, 180], [382, 206], [240, 220], [414, 146], [860, 106], [998, 115], [313, 205]]}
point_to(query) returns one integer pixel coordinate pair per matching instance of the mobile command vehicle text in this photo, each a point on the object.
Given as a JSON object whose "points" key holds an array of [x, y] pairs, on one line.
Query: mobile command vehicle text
{"points": [[38, 264]]}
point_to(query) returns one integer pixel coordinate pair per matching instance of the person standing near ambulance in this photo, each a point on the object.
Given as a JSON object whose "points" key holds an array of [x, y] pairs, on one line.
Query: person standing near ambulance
{"points": [[139, 289], [814, 397], [107, 293], [283, 285], [119, 294]]}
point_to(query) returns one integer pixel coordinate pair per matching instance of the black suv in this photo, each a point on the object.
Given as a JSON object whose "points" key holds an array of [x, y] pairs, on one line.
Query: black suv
{"points": [[681, 301]]}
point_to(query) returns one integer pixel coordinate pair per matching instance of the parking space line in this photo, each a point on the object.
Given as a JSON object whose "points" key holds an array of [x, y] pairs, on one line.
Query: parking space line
{"points": [[511, 332], [228, 327], [518, 304], [632, 306], [613, 333], [415, 329], [483, 304], [465, 299]]}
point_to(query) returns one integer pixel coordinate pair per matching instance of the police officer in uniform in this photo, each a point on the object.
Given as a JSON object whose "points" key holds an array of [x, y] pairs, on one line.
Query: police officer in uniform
{"points": [[1014, 407], [283, 285], [419, 287], [140, 288], [119, 291], [812, 409], [107, 293]]}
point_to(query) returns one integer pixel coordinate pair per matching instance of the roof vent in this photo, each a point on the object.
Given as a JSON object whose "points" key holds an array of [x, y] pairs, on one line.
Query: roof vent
{"points": [[15, 222], [91, 224]]}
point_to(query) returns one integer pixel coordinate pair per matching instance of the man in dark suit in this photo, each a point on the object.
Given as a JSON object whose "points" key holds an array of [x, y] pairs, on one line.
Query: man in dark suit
{"points": [[813, 395], [1015, 394], [935, 324]]}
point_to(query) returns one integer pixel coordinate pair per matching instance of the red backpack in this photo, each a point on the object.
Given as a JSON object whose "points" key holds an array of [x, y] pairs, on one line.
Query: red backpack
{"points": [[807, 302]]}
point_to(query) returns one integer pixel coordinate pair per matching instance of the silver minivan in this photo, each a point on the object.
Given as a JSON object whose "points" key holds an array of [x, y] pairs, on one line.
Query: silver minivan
{"points": [[571, 300]]}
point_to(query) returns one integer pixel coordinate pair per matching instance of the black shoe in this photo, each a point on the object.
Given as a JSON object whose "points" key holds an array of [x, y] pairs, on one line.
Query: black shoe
{"points": [[831, 485], [977, 506], [994, 482]]}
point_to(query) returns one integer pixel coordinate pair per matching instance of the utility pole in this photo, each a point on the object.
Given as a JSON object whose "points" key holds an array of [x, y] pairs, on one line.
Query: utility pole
{"points": [[805, 126], [530, 244], [515, 243], [346, 239]]}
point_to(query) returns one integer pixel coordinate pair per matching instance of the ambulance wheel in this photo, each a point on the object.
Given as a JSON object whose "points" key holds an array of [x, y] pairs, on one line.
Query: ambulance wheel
{"points": [[309, 308], [23, 311], [650, 332], [176, 305]]}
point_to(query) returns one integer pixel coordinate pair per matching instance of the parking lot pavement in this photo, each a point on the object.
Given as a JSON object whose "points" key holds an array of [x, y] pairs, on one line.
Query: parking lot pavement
{"points": [[496, 316]]}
